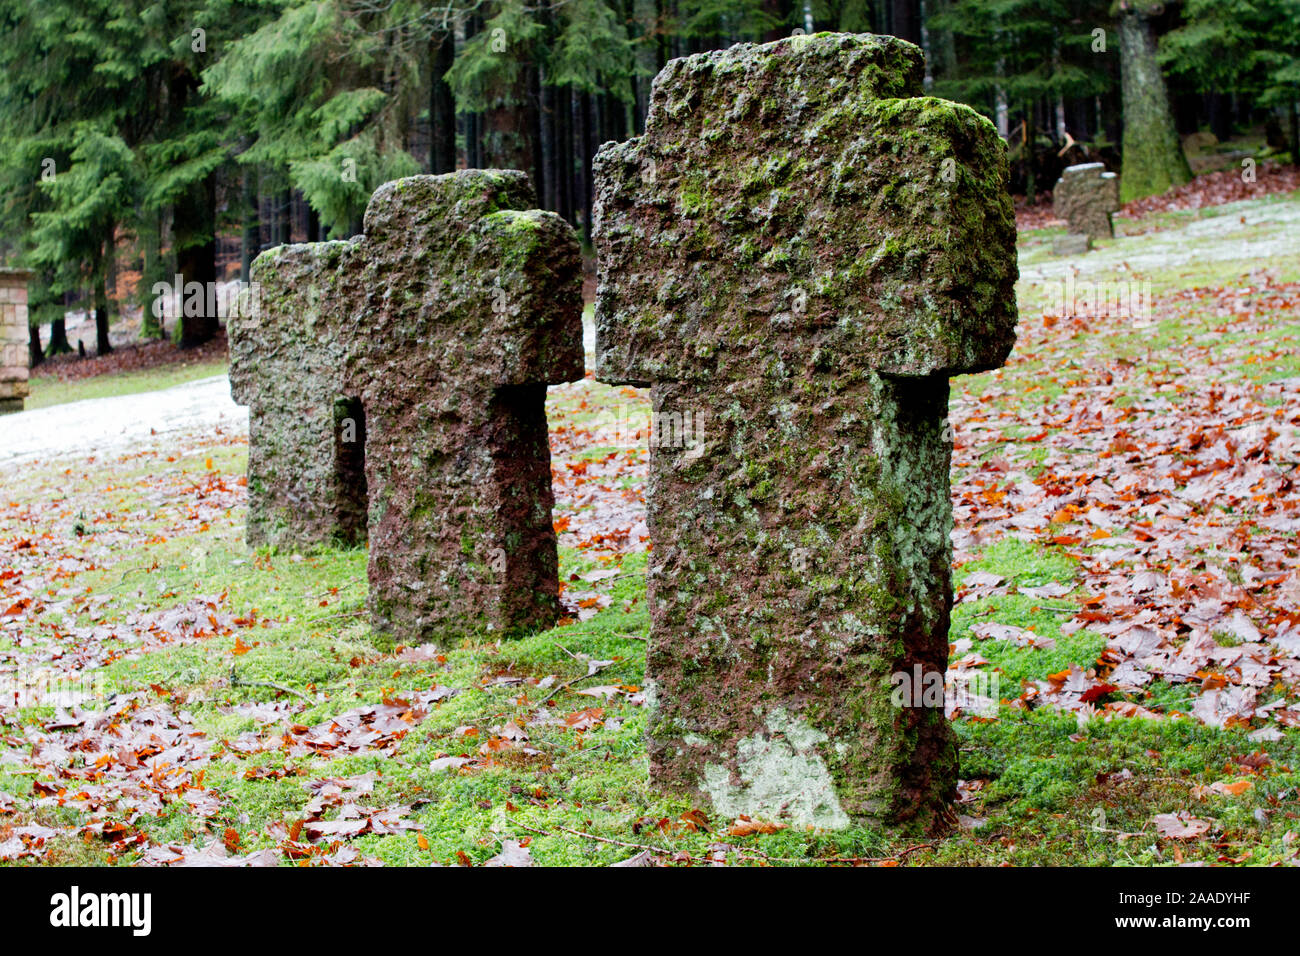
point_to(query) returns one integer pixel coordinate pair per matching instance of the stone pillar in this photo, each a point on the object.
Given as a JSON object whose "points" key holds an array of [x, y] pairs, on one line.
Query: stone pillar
{"points": [[14, 339], [397, 385], [796, 256]]}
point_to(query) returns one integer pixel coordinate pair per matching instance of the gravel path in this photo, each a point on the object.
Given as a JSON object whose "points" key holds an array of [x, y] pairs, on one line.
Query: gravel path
{"points": [[121, 424]]}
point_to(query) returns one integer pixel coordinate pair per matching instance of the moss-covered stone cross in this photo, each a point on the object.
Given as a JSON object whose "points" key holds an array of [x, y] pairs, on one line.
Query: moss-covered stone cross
{"points": [[796, 255], [397, 386]]}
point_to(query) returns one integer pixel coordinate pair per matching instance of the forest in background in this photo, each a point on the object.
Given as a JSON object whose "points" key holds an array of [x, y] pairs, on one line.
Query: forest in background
{"points": [[183, 137]]}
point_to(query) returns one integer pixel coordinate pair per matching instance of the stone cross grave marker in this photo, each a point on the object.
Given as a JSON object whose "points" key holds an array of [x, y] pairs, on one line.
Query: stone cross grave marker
{"points": [[1085, 196], [13, 339], [797, 254], [397, 387]]}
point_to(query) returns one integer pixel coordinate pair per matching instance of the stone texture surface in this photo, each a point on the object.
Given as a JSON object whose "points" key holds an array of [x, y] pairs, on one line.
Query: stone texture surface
{"points": [[1071, 244], [430, 341], [798, 253], [1085, 196], [13, 339]]}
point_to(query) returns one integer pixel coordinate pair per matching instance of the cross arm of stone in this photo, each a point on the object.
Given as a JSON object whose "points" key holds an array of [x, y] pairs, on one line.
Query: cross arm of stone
{"points": [[798, 199]]}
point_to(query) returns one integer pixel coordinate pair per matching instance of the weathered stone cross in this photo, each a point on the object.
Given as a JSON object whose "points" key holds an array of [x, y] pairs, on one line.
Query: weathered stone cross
{"points": [[799, 252], [397, 387], [1085, 196]]}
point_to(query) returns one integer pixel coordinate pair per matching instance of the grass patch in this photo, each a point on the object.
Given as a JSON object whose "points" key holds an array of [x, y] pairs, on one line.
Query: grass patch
{"points": [[48, 390]]}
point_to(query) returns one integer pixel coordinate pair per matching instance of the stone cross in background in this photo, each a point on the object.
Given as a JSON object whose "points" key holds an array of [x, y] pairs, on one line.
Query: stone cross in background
{"points": [[798, 253], [1085, 196], [14, 356], [397, 387]]}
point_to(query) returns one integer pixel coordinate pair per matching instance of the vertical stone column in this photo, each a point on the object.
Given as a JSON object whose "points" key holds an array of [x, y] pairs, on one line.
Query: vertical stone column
{"points": [[797, 254], [14, 358]]}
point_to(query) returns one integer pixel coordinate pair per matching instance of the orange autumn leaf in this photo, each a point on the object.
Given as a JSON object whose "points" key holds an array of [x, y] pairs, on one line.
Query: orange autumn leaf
{"points": [[694, 820], [747, 827]]}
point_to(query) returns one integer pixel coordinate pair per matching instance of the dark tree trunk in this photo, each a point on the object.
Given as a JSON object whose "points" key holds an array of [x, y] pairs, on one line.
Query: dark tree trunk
{"points": [[110, 268], [615, 120], [266, 221], [905, 20], [100, 271], [1295, 133], [564, 144], [442, 107], [649, 54], [284, 217], [58, 338], [102, 344], [1219, 107], [548, 192], [194, 228], [250, 240], [151, 240], [35, 355], [313, 225], [473, 145], [588, 151], [196, 259], [1031, 165], [536, 122]]}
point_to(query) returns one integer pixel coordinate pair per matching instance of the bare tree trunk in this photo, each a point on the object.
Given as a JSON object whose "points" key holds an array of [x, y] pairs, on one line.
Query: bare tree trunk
{"points": [[564, 140], [284, 216], [586, 138], [100, 269], [35, 355], [58, 338], [442, 106], [548, 192], [905, 21], [250, 239], [102, 344], [1153, 159], [647, 57], [196, 259], [110, 270], [1295, 133], [151, 326]]}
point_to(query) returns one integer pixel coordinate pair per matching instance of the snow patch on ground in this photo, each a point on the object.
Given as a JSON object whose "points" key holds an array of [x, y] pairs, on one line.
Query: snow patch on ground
{"points": [[1232, 234], [121, 424]]}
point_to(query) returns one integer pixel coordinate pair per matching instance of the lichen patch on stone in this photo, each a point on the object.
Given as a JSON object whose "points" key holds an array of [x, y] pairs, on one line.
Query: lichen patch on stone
{"points": [[781, 777]]}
